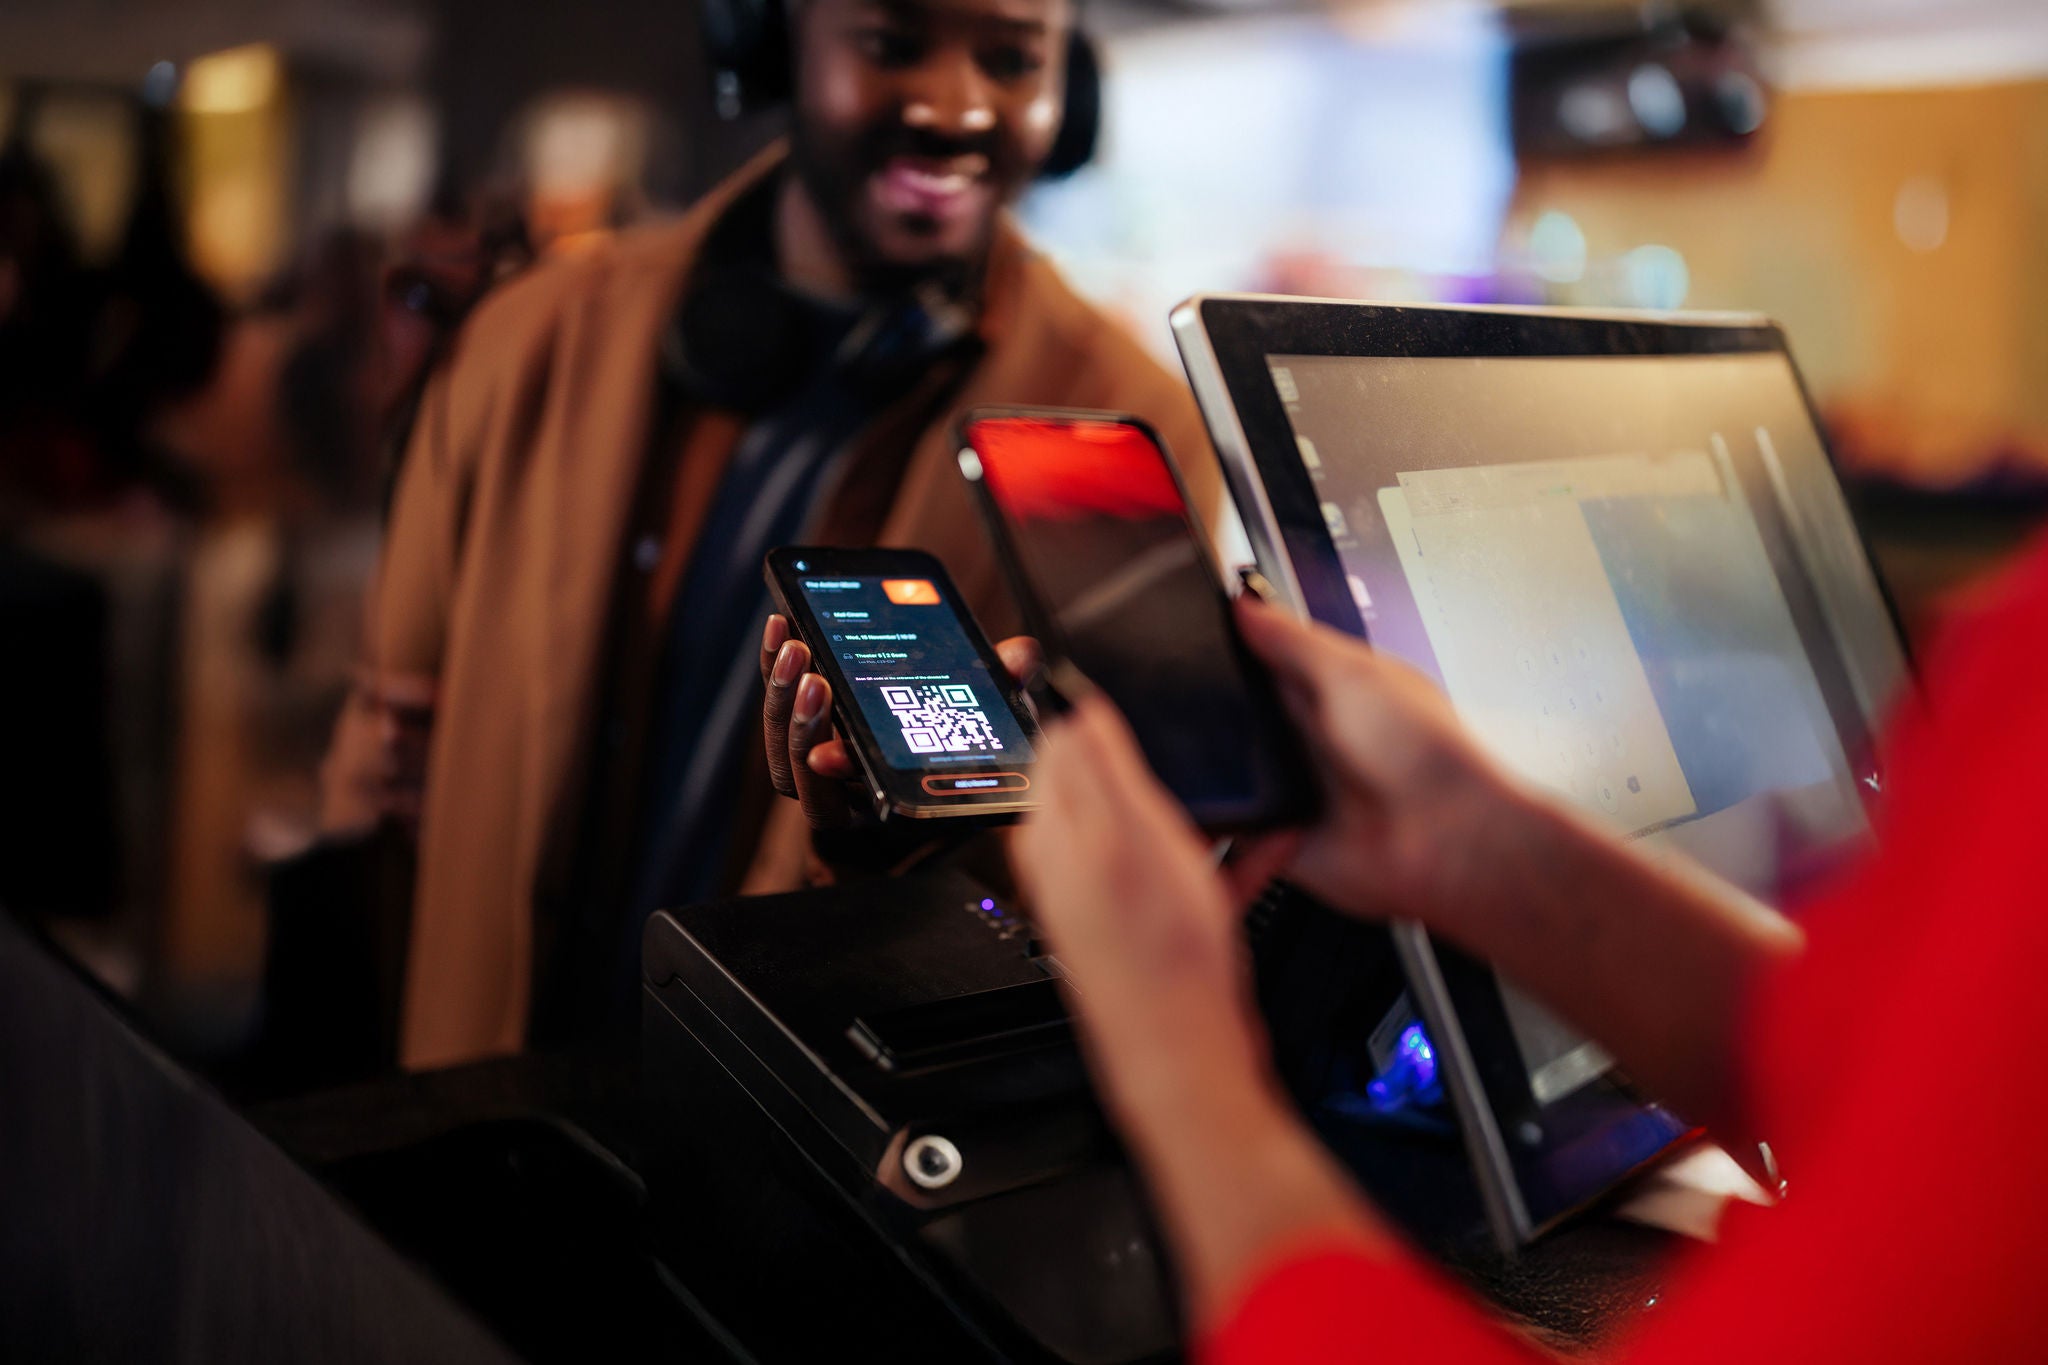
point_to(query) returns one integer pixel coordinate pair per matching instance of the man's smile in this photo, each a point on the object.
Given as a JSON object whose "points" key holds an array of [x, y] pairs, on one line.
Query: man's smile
{"points": [[947, 189]]}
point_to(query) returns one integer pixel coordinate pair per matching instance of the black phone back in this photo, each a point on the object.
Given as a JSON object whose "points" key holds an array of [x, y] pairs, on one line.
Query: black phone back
{"points": [[1092, 525]]}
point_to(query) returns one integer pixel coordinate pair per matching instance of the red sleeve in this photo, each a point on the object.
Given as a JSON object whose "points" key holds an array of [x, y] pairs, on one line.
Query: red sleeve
{"points": [[1959, 858], [1335, 1301]]}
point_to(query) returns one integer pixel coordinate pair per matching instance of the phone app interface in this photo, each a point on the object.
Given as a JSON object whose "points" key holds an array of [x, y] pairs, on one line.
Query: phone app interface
{"points": [[1105, 540], [920, 684]]}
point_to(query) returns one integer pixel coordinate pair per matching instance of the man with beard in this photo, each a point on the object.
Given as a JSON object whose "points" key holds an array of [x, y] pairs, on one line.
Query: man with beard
{"points": [[563, 681]]}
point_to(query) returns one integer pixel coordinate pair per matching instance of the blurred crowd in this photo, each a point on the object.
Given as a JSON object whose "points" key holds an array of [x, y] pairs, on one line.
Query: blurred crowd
{"points": [[189, 502]]}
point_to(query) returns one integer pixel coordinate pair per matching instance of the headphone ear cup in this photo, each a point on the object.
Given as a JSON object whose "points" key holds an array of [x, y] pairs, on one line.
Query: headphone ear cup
{"points": [[1081, 118], [746, 45]]}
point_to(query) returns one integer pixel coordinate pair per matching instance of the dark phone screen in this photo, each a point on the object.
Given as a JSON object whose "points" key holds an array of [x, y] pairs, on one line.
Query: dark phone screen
{"points": [[1105, 540], [921, 685]]}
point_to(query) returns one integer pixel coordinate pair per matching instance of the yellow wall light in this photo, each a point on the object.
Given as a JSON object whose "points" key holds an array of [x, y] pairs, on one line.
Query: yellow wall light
{"points": [[236, 81]]}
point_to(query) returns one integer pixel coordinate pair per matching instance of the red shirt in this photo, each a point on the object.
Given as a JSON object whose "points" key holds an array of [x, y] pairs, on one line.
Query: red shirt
{"points": [[1898, 1068]]}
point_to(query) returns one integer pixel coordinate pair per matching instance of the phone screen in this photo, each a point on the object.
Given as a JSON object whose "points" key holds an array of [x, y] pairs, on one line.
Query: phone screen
{"points": [[908, 663], [1105, 544]]}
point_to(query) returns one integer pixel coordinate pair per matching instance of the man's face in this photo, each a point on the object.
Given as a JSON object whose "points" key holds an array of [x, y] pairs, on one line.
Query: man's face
{"points": [[916, 120]]}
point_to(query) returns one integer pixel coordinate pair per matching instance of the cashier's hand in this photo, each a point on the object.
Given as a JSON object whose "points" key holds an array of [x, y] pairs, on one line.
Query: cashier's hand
{"points": [[1409, 797], [807, 759], [1653, 959], [1128, 896]]}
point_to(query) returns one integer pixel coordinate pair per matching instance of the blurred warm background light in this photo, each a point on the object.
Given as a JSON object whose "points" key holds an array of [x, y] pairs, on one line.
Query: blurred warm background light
{"points": [[581, 152], [241, 80], [237, 135]]}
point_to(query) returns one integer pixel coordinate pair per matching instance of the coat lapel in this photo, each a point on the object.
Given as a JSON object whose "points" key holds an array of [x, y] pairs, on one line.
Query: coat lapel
{"points": [[593, 457]]}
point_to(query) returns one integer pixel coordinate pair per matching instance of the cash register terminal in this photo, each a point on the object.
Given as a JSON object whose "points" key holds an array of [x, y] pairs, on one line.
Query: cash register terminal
{"points": [[869, 1131]]}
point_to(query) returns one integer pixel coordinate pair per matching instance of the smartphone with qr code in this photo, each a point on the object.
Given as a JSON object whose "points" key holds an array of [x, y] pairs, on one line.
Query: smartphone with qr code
{"points": [[1091, 522], [930, 714]]}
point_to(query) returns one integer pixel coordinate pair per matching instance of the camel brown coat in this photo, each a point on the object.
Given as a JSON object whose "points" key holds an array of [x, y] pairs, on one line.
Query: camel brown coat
{"points": [[509, 533]]}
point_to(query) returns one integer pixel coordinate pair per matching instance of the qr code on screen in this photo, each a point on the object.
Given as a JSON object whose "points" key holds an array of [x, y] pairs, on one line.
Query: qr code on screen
{"points": [[943, 719]]}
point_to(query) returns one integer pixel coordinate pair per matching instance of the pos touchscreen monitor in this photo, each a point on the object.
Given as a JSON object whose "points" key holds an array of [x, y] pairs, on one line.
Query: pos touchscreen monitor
{"points": [[1618, 545]]}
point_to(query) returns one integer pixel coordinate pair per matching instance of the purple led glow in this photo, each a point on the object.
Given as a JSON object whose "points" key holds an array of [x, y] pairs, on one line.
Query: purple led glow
{"points": [[988, 905]]}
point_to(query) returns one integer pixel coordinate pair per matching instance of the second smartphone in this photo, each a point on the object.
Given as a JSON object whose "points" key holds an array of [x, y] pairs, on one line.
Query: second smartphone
{"points": [[1114, 572]]}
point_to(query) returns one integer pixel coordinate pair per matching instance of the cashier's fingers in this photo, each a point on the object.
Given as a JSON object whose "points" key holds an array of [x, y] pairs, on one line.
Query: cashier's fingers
{"points": [[1256, 860], [1326, 668], [810, 726], [1096, 780], [1303, 656], [1022, 656], [1119, 878], [1370, 718], [1067, 800], [1115, 811], [780, 673], [1074, 768]]}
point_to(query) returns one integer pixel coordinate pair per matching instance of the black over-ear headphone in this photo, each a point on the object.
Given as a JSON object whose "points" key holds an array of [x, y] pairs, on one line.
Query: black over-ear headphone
{"points": [[747, 45]]}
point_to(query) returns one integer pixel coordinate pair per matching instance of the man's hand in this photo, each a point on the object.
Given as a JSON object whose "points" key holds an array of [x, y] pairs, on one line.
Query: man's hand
{"points": [[807, 759]]}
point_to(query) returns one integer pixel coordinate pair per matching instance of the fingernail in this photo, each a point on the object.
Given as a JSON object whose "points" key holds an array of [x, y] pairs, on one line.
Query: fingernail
{"points": [[788, 666], [810, 700], [774, 633]]}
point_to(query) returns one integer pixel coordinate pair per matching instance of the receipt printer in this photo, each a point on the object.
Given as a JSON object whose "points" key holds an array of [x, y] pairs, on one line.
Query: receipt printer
{"points": [[869, 1135]]}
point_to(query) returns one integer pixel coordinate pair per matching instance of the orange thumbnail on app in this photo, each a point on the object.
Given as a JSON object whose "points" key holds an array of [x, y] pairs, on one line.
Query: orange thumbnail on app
{"points": [[911, 592]]}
